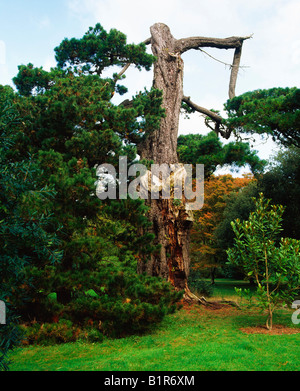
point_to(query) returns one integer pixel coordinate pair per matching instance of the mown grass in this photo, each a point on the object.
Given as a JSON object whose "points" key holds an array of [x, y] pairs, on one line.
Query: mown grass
{"points": [[198, 340], [224, 288], [193, 339]]}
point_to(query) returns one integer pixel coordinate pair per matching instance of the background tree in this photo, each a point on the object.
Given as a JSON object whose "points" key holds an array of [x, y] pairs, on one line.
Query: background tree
{"points": [[209, 150], [273, 112], [206, 253], [274, 264], [281, 183], [238, 205]]}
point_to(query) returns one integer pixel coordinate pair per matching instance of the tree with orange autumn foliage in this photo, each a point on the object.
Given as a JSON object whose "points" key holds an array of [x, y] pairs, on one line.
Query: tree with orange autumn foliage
{"points": [[205, 253]]}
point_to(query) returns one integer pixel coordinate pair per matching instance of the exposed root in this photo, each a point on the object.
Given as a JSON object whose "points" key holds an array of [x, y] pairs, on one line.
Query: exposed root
{"points": [[229, 302], [191, 298]]}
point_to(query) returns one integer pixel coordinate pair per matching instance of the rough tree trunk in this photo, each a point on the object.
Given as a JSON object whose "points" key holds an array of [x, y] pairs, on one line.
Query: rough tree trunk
{"points": [[161, 145], [171, 223]]}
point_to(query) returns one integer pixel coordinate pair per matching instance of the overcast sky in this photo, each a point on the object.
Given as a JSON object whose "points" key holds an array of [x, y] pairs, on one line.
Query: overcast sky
{"points": [[29, 31]]}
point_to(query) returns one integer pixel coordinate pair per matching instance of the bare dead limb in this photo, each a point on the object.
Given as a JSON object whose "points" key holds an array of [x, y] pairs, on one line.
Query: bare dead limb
{"points": [[214, 58], [219, 128], [234, 71], [147, 41], [214, 116], [124, 69], [235, 66], [126, 103], [184, 44]]}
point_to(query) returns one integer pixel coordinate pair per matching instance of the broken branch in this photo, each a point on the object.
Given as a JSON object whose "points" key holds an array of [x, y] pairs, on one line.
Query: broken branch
{"points": [[234, 71], [124, 69], [182, 45], [216, 118]]}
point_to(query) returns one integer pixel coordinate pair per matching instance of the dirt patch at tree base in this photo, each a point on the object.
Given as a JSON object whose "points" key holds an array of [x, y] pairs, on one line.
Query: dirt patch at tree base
{"points": [[217, 308], [276, 330]]}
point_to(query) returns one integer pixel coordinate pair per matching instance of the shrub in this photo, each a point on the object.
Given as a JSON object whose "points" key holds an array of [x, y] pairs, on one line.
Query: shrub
{"points": [[112, 298], [60, 332]]}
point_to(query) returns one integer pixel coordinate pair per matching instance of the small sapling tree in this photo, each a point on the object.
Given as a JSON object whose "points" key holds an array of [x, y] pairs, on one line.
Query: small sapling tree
{"points": [[273, 263]]}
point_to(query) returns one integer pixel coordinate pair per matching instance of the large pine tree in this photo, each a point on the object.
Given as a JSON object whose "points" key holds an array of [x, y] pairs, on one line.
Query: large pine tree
{"points": [[69, 125]]}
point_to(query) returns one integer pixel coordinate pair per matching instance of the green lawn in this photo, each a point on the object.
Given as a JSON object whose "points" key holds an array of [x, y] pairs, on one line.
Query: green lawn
{"points": [[193, 339], [224, 288]]}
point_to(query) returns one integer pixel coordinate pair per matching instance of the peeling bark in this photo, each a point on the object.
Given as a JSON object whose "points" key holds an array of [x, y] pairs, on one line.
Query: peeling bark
{"points": [[171, 226], [170, 223]]}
